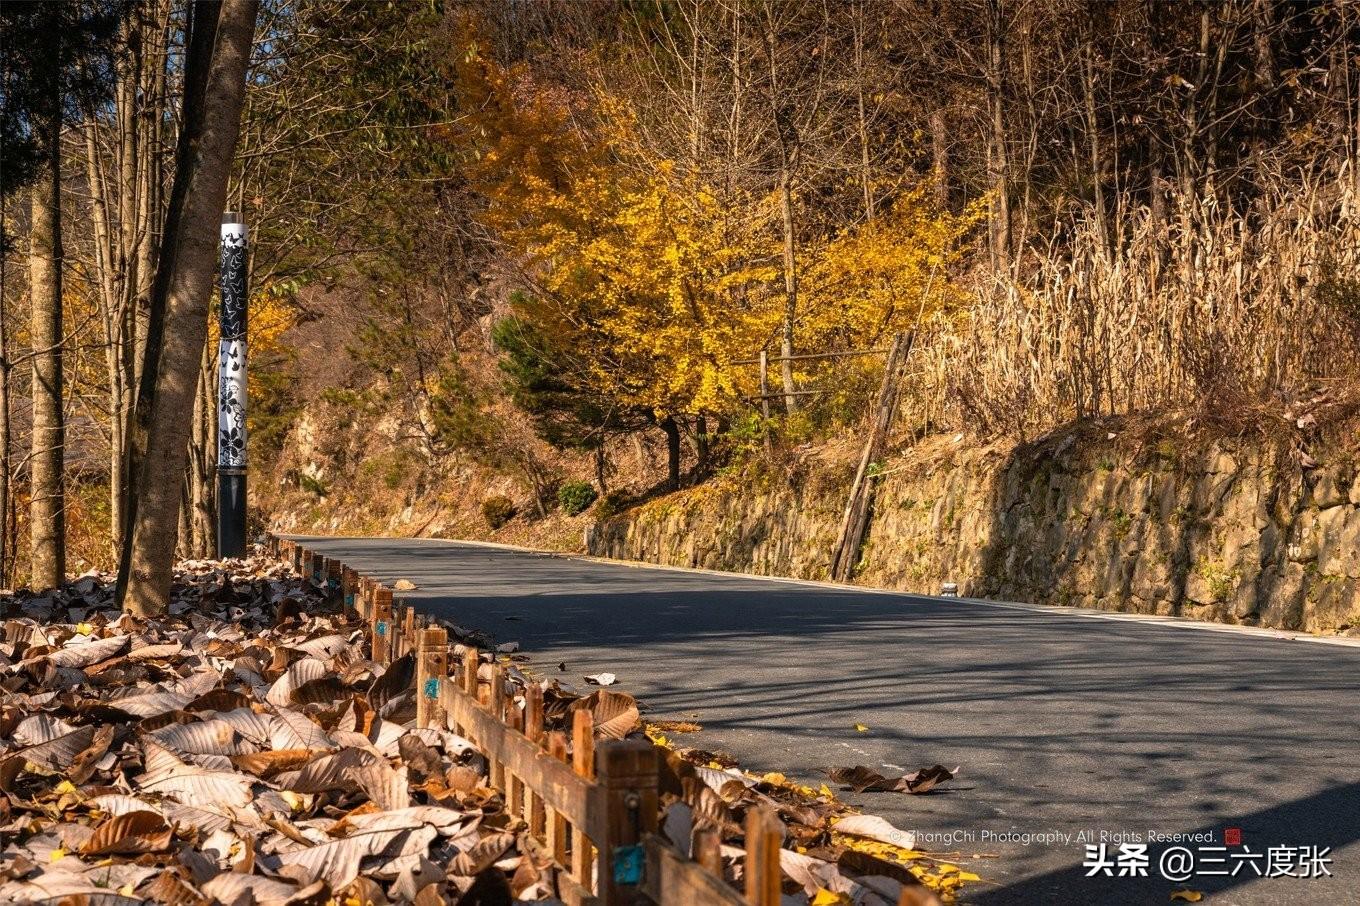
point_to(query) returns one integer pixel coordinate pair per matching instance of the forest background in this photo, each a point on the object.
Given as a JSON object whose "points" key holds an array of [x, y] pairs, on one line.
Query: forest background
{"points": [[532, 250]]}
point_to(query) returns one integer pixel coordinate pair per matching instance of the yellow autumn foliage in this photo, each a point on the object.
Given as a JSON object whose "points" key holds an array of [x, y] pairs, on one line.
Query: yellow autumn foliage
{"points": [[638, 269], [888, 275], [657, 281]]}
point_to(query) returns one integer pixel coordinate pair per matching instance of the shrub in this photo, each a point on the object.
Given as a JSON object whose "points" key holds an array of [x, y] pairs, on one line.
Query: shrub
{"points": [[497, 510], [576, 496]]}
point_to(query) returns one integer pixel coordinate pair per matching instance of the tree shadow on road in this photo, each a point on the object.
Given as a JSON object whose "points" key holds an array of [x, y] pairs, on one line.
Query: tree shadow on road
{"points": [[1325, 820]]}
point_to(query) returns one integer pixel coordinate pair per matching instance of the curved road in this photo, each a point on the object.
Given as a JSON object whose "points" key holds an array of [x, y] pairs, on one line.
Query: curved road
{"points": [[1063, 721]]}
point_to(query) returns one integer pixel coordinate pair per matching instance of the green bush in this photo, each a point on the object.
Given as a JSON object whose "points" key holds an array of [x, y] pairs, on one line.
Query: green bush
{"points": [[576, 496], [497, 510]]}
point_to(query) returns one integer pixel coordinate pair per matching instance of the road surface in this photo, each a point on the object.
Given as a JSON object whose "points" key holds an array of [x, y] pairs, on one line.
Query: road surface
{"points": [[1061, 721]]}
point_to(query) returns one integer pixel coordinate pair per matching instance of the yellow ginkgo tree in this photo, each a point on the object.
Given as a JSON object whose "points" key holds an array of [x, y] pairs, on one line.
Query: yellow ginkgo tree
{"points": [[637, 281]]}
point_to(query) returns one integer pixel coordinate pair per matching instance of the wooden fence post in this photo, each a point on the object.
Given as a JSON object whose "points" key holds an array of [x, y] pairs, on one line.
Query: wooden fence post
{"points": [[409, 639], [556, 830], [381, 633], [496, 704], [764, 837], [533, 728], [335, 571], [706, 849], [583, 763], [627, 772], [472, 661], [431, 669], [349, 588]]}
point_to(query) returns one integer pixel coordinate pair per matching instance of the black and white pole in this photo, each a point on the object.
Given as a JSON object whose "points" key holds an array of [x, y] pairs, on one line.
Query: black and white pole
{"points": [[231, 391]]}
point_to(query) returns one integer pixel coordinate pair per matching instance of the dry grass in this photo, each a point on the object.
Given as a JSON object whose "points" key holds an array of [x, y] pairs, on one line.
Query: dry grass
{"points": [[1231, 314]]}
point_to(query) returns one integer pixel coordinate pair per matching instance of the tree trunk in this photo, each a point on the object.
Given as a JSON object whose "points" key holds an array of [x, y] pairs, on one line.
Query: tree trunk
{"points": [[788, 153], [48, 502], [790, 292], [6, 545], [998, 157], [201, 27], [939, 159], [189, 263], [203, 451], [602, 468], [672, 452], [862, 120]]}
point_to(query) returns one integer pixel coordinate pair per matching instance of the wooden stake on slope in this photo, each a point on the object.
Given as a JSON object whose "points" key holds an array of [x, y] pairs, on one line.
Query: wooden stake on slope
{"points": [[856, 517]]}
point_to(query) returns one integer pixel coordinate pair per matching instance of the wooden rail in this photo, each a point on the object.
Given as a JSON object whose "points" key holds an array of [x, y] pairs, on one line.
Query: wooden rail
{"points": [[594, 808]]}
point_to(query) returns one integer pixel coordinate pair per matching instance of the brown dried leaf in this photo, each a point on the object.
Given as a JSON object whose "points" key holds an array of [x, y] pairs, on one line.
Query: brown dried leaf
{"points": [[862, 779], [129, 834], [615, 713], [267, 764], [83, 765]]}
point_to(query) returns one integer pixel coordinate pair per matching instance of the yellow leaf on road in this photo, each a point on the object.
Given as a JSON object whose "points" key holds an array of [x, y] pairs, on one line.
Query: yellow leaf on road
{"points": [[1186, 895], [861, 728]]}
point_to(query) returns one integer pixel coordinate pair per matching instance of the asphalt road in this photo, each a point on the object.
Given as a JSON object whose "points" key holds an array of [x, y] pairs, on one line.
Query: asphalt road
{"points": [[1062, 722]]}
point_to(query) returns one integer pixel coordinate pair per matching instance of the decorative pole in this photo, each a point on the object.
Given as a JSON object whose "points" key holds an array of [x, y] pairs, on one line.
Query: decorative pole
{"points": [[231, 391]]}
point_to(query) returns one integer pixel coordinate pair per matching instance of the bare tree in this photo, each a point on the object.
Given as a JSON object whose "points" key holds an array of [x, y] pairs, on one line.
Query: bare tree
{"points": [[46, 464]]}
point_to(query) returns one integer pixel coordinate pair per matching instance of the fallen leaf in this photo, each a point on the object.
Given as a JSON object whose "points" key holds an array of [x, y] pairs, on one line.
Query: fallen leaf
{"points": [[1186, 895], [615, 713], [875, 828], [861, 779], [129, 834], [601, 679], [404, 585]]}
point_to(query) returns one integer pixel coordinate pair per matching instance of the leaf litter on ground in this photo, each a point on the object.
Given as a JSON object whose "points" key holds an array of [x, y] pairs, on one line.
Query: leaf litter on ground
{"points": [[219, 754], [242, 749]]}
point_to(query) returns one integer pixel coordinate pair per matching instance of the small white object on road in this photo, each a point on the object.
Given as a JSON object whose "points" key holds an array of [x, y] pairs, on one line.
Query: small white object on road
{"points": [[601, 679]]}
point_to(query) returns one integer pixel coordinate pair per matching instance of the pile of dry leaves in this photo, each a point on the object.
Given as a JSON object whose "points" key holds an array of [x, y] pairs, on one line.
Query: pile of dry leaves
{"points": [[239, 750], [243, 750]]}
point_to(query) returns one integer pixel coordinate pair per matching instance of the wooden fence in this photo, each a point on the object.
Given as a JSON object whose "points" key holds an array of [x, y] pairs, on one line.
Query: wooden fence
{"points": [[594, 807]]}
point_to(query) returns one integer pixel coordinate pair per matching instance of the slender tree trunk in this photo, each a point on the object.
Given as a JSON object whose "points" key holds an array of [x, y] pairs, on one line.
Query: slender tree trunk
{"points": [[6, 546], [788, 153], [790, 289], [862, 120], [998, 153], [939, 162], [201, 473], [1092, 126], [48, 507], [189, 262], [672, 452], [602, 468]]}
